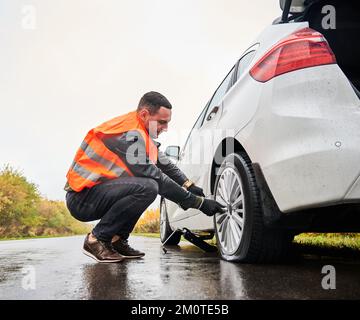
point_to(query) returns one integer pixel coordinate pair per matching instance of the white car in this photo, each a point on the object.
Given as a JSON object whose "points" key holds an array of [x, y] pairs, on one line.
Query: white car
{"points": [[279, 141]]}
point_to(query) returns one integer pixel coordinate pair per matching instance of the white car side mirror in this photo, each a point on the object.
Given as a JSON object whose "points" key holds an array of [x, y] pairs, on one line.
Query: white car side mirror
{"points": [[173, 152]]}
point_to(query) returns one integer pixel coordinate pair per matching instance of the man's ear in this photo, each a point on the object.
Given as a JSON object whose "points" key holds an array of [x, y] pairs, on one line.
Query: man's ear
{"points": [[144, 114]]}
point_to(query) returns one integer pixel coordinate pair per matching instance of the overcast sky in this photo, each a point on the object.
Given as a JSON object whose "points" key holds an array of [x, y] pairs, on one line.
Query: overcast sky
{"points": [[69, 65]]}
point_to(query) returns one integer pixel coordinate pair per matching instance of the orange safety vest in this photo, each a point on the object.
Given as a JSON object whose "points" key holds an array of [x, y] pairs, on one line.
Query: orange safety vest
{"points": [[95, 163]]}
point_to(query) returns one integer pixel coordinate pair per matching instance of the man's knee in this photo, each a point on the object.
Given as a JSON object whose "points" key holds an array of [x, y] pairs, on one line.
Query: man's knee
{"points": [[151, 188]]}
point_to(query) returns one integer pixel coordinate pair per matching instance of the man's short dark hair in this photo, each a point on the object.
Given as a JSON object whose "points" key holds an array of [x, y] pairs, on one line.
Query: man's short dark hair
{"points": [[153, 101]]}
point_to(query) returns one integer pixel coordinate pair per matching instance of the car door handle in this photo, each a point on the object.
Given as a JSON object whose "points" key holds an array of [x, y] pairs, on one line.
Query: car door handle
{"points": [[212, 113]]}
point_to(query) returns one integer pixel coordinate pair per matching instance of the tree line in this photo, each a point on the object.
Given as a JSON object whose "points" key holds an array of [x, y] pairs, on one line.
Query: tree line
{"points": [[25, 213]]}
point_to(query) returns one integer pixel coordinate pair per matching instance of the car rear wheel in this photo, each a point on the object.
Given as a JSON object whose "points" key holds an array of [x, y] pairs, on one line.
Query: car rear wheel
{"points": [[240, 233], [165, 229]]}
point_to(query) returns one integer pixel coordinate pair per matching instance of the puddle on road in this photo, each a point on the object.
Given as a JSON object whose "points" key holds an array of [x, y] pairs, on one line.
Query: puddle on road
{"points": [[9, 272]]}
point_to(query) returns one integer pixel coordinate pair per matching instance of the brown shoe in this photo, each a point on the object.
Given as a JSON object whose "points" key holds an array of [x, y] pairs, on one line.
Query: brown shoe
{"points": [[101, 251], [122, 247]]}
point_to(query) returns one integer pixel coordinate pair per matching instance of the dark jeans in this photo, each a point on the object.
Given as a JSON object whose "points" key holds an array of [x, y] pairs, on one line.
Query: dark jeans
{"points": [[118, 203]]}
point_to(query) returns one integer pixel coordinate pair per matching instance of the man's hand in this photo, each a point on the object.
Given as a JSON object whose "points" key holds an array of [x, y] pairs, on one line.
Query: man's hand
{"points": [[196, 190], [210, 207]]}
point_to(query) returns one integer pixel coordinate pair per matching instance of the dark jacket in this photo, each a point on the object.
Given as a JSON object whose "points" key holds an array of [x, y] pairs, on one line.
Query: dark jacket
{"points": [[130, 148]]}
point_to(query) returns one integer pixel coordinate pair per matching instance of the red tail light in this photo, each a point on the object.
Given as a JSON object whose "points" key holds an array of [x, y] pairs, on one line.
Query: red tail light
{"points": [[302, 49]]}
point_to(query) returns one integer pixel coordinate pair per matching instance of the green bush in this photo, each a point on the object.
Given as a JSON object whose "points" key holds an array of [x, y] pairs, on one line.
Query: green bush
{"points": [[24, 213], [18, 201]]}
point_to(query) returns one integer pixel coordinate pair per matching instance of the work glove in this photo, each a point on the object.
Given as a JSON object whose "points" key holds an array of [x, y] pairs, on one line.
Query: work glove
{"points": [[196, 190], [210, 207]]}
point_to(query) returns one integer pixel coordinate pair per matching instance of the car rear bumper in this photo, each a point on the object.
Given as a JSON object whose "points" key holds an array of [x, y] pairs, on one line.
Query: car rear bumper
{"points": [[354, 192], [317, 178], [336, 217]]}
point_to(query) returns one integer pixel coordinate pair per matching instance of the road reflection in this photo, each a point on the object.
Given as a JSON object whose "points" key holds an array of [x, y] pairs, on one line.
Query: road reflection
{"points": [[186, 272], [105, 281]]}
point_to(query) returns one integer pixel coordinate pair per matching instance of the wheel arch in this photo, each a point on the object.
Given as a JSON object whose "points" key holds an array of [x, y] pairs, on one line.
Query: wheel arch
{"points": [[225, 147], [271, 211]]}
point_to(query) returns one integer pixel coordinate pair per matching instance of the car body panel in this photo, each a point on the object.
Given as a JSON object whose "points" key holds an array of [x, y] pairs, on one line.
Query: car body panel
{"points": [[302, 128], [306, 137]]}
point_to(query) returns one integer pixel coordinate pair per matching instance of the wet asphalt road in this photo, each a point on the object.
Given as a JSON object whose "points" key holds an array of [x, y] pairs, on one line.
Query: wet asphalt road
{"points": [[57, 269]]}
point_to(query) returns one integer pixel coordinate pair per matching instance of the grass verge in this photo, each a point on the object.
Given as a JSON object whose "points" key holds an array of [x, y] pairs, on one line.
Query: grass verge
{"points": [[329, 240]]}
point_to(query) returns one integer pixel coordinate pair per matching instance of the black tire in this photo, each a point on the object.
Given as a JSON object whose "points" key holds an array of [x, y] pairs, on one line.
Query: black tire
{"points": [[165, 229], [256, 243]]}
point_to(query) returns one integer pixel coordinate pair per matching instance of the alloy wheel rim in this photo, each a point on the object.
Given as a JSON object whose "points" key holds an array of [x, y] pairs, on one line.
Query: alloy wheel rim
{"points": [[230, 224]]}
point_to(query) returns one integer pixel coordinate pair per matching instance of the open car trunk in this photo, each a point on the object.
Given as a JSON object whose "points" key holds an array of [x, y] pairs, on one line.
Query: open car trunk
{"points": [[344, 40]]}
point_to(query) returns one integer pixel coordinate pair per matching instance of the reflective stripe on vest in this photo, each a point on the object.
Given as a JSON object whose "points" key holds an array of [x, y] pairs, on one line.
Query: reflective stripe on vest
{"points": [[86, 174], [111, 166]]}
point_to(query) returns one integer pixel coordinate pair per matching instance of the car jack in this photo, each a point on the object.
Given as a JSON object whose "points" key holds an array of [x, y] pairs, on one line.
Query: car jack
{"points": [[194, 239]]}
